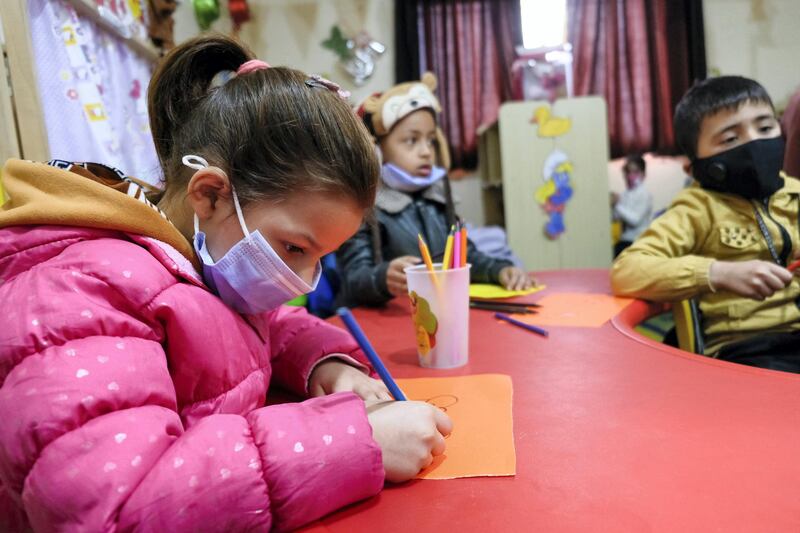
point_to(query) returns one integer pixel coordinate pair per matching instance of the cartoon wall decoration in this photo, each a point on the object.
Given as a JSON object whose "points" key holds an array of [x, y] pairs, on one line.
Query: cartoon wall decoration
{"points": [[557, 171]]}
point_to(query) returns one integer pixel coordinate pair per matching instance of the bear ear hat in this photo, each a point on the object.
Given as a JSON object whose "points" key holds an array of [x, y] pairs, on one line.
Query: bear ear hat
{"points": [[373, 103], [429, 79]]}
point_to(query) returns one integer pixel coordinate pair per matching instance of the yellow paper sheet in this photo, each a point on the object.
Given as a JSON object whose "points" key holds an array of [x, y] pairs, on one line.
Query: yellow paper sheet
{"points": [[482, 442], [487, 291]]}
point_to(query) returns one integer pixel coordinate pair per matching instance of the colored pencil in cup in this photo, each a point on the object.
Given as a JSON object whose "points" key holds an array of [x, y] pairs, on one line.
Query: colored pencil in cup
{"points": [[426, 257], [358, 334], [463, 246], [448, 251], [523, 325], [457, 248]]}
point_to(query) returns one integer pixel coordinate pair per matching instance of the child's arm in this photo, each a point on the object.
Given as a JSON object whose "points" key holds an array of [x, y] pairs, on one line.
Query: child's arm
{"points": [[299, 342], [666, 263], [363, 281], [94, 437], [485, 269]]}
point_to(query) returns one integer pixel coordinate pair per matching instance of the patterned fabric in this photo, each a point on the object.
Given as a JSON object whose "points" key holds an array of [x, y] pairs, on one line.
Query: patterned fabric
{"points": [[92, 90]]}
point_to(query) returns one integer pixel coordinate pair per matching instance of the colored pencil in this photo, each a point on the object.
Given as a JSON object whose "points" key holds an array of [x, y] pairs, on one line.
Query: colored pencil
{"points": [[463, 246], [500, 307], [457, 248], [508, 304], [448, 251], [522, 325], [355, 330], [793, 266], [426, 255]]}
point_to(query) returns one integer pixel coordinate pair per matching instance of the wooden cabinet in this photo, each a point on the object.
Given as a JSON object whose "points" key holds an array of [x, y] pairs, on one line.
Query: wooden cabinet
{"points": [[532, 143]]}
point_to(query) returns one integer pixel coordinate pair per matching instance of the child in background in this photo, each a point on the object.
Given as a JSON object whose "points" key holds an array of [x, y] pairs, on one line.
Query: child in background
{"points": [[728, 239], [413, 198], [634, 206], [133, 392]]}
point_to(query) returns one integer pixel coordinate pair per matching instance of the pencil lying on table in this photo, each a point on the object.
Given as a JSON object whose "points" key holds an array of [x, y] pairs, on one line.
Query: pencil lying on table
{"points": [[507, 304], [486, 306], [523, 325]]}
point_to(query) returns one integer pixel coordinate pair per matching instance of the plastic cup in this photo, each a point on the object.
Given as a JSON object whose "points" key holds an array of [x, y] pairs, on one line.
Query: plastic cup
{"points": [[440, 314]]}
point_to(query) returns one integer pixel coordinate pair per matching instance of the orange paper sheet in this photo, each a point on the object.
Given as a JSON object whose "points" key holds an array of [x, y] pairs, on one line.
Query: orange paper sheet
{"points": [[576, 309], [482, 442]]}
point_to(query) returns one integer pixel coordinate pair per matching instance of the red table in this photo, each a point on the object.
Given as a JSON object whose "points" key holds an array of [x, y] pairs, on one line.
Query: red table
{"points": [[613, 432]]}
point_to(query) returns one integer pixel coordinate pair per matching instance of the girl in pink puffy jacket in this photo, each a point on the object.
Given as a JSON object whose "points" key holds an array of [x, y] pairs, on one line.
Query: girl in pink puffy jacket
{"points": [[141, 329]]}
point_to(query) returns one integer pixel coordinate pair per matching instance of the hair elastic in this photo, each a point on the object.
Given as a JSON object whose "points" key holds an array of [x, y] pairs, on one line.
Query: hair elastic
{"points": [[251, 66]]}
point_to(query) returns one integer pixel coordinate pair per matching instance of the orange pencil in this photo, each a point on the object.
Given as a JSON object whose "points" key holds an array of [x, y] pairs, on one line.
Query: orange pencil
{"points": [[426, 255], [463, 246]]}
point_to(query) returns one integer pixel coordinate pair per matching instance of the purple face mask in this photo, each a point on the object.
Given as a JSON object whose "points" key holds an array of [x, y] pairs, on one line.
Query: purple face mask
{"points": [[397, 178], [250, 278]]}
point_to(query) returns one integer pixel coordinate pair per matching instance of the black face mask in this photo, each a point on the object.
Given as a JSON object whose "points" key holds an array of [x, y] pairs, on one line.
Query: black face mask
{"points": [[751, 170]]}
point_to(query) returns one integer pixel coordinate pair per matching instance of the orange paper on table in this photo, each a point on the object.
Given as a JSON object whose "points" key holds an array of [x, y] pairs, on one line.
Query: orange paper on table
{"points": [[482, 442], [575, 309]]}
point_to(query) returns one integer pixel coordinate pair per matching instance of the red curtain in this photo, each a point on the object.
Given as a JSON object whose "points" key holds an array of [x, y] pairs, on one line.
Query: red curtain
{"points": [[470, 46], [641, 56]]}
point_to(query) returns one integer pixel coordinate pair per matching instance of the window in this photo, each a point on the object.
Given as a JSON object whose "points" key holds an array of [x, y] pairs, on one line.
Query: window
{"points": [[544, 23]]}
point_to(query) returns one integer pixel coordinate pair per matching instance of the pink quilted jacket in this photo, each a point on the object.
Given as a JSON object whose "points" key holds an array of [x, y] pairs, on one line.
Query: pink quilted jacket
{"points": [[132, 398]]}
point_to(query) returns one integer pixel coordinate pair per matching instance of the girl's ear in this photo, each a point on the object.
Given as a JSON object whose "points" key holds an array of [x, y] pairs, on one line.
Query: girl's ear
{"points": [[205, 188]]}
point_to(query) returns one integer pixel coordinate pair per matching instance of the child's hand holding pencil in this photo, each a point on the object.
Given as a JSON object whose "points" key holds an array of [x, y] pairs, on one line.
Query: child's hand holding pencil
{"points": [[410, 435]]}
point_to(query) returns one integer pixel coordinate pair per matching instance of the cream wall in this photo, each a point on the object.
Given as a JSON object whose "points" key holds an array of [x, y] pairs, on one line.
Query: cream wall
{"points": [[757, 39], [186, 25]]}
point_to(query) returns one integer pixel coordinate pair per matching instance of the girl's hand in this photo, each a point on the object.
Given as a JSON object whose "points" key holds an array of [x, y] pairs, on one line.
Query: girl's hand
{"points": [[396, 280], [516, 279], [333, 375], [410, 435]]}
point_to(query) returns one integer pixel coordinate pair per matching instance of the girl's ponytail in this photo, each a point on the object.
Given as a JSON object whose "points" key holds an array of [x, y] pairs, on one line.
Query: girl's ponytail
{"points": [[182, 80]]}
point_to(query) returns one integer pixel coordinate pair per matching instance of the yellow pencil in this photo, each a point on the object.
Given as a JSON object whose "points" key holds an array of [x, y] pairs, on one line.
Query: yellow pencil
{"points": [[448, 251], [426, 255]]}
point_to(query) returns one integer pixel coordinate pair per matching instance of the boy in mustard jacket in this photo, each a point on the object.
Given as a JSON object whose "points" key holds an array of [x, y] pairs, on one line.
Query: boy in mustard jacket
{"points": [[727, 240]]}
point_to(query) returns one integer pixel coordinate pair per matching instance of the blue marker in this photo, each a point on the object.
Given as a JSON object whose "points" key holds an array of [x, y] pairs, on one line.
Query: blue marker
{"points": [[355, 330]]}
